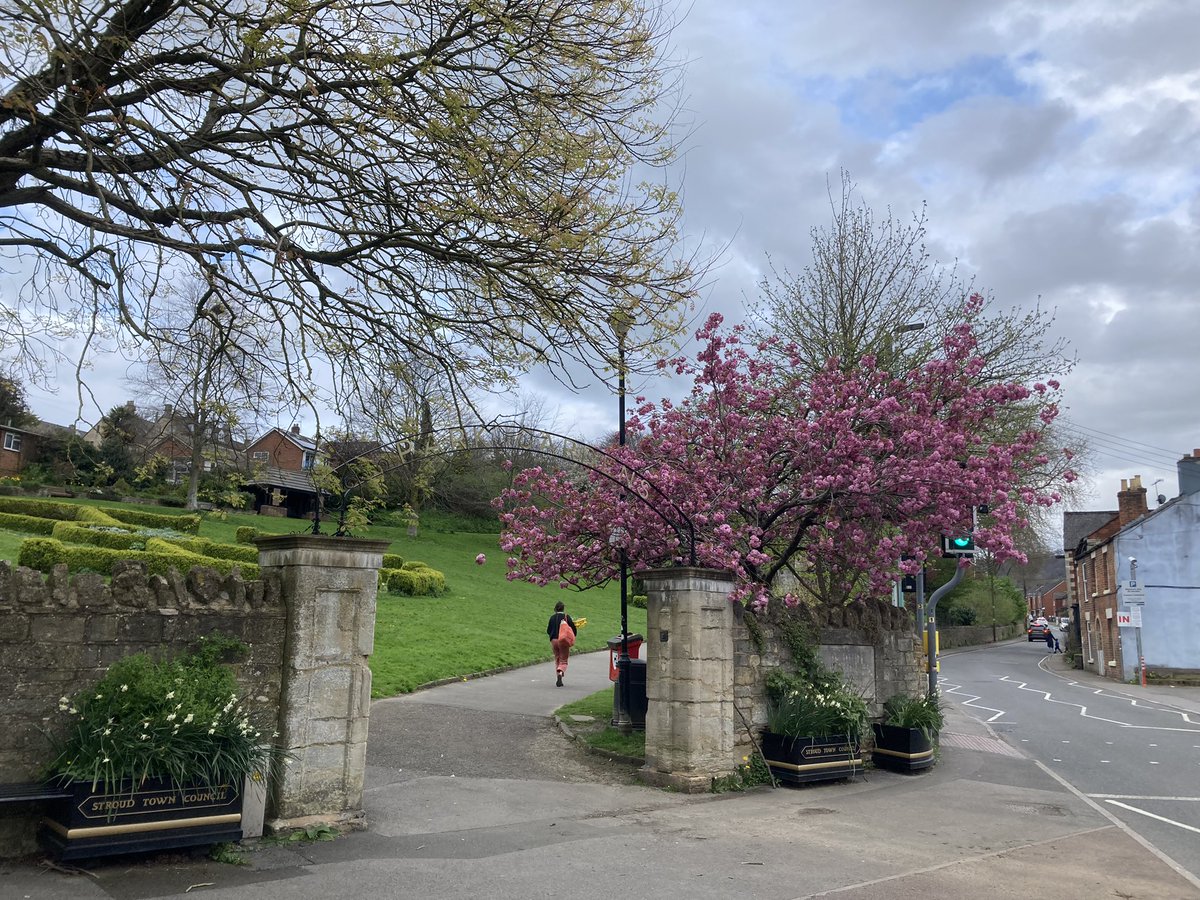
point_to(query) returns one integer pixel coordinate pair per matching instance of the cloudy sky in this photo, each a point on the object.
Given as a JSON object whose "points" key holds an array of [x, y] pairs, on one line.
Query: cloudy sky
{"points": [[1055, 146]]}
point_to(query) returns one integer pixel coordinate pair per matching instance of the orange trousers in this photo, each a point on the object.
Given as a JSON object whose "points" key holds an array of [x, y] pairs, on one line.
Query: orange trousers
{"points": [[561, 654]]}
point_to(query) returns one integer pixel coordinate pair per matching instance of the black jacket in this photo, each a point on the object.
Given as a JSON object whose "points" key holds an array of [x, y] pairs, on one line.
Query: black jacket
{"points": [[555, 621]]}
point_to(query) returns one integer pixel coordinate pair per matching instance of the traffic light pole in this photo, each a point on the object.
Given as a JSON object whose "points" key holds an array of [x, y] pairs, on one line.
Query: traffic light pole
{"points": [[930, 612]]}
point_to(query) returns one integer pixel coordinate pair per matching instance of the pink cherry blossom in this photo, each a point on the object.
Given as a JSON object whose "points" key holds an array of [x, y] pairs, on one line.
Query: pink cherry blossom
{"points": [[766, 474], [481, 559]]}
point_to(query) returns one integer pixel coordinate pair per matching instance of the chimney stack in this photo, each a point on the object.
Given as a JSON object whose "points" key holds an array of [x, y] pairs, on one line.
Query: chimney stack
{"points": [[1189, 473], [295, 429], [1131, 500]]}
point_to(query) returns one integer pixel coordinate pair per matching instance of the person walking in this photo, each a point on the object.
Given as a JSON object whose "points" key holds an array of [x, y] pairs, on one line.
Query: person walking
{"points": [[1049, 640], [562, 631]]}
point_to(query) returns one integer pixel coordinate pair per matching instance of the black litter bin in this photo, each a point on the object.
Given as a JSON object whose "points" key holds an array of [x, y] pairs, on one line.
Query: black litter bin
{"points": [[637, 694]]}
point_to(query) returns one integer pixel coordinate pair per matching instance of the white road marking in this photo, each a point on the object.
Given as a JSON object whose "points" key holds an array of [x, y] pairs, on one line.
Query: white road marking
{"points": [[1150, 815], [1143, 798], [1083, 710], [970, 701], [1176, 867]]}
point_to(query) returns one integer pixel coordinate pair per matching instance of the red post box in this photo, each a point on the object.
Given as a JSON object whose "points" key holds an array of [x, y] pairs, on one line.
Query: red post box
{"points": [[614, 652]]}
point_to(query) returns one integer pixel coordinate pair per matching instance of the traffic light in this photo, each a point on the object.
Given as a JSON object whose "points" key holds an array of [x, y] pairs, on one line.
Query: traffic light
{"points": [[962, 544], [908, 584]]}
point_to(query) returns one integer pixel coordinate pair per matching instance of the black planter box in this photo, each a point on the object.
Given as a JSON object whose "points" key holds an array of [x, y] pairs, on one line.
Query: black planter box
{"points": [[800, 760], [901, 749], [157, 815]]}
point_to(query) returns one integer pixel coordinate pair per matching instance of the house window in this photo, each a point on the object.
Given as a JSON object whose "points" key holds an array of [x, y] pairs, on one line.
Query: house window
{"points": [[260, 456], [309, 459], [12, 441]]}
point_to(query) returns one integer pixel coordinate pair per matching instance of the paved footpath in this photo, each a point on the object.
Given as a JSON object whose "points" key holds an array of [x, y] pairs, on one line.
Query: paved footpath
{"points": [[473, 793]]}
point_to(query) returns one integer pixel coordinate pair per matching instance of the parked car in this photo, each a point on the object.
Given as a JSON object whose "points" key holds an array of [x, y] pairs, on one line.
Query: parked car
{"points": [[1037, 631]]}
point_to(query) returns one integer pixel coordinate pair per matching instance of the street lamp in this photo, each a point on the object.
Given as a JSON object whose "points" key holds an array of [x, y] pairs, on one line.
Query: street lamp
{"points": [[620, 325]]}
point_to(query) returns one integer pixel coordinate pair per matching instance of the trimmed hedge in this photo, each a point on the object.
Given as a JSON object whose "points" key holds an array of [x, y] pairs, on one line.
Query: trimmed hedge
{"points": [[71, 533], [186, 523], [247, 533], [43, 509], [159, 558], [392, 561], [205, 547], [418, 581], [92, 515], [30, 524]]}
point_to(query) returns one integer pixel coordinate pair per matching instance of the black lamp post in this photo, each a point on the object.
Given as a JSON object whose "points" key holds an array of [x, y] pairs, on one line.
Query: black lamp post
{"points": [[620, 324]]}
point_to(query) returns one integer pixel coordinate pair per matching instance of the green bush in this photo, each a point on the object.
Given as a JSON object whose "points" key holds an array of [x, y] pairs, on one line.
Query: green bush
{"points": [[30, 524], [247, 533], [411, 564], [159, 557], [205, 547], [93, 515], [43, 509], [187, 523], [70, 533], [392, 561], [420, 581], [42, 554]]}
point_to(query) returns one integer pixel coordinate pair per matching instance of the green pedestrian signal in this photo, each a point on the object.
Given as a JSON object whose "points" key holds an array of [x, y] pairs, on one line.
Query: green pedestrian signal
{"points": [[958, 544]]}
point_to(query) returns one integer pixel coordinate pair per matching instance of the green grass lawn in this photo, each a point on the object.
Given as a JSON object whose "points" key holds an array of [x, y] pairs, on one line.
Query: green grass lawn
{"points": [[600, 733], [484, 621]]}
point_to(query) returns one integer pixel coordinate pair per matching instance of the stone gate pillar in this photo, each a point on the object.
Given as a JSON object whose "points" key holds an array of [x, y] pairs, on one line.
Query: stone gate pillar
{"points": [[328, 586], [689, 677]]}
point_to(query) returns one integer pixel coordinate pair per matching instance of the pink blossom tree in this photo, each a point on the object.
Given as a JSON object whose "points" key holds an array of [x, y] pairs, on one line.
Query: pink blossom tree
{"points": [[760, 473]]}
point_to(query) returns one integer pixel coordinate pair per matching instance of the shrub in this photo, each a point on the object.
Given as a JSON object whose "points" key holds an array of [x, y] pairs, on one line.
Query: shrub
{"points": [[159, 557], [416, 582], [247, 533], [205, 547], [117, 539], [43, 509], [392, 561], [187, 523], [30, 524], [94, 516]]}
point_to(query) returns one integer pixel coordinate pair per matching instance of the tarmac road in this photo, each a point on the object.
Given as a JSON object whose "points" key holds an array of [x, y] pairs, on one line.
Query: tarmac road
{"points": [[496, 803], [1134, 751]]}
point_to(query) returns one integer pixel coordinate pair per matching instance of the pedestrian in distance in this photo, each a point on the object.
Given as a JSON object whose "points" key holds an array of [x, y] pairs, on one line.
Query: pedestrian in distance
{"points": [[562, 631], [1050, 640], [1057, 645]]}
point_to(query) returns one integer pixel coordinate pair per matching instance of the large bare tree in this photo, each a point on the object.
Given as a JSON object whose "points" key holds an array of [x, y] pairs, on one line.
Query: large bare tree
{"points": [[872, 287], [373, 179], [210, 376]]}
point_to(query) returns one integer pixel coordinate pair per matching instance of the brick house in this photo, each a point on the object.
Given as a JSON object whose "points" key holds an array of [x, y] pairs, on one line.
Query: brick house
{"points": [[20, 446], [287, 450], [17, 447], [280, 465]]}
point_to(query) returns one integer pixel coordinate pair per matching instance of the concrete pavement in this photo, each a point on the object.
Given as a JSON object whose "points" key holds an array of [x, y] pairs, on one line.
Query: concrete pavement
{"points": [[472, 792]]}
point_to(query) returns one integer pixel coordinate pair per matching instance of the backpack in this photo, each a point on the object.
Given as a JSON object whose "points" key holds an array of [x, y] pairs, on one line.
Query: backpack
{"points": [[566, 633]]}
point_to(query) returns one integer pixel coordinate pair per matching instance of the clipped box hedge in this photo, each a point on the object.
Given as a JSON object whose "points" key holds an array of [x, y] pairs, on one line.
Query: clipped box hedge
{"points": [[71, 533], [393, 561], [159, 557], [30, 524], [187, 523], [418, 581], [247, 533], [205, 547]]}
